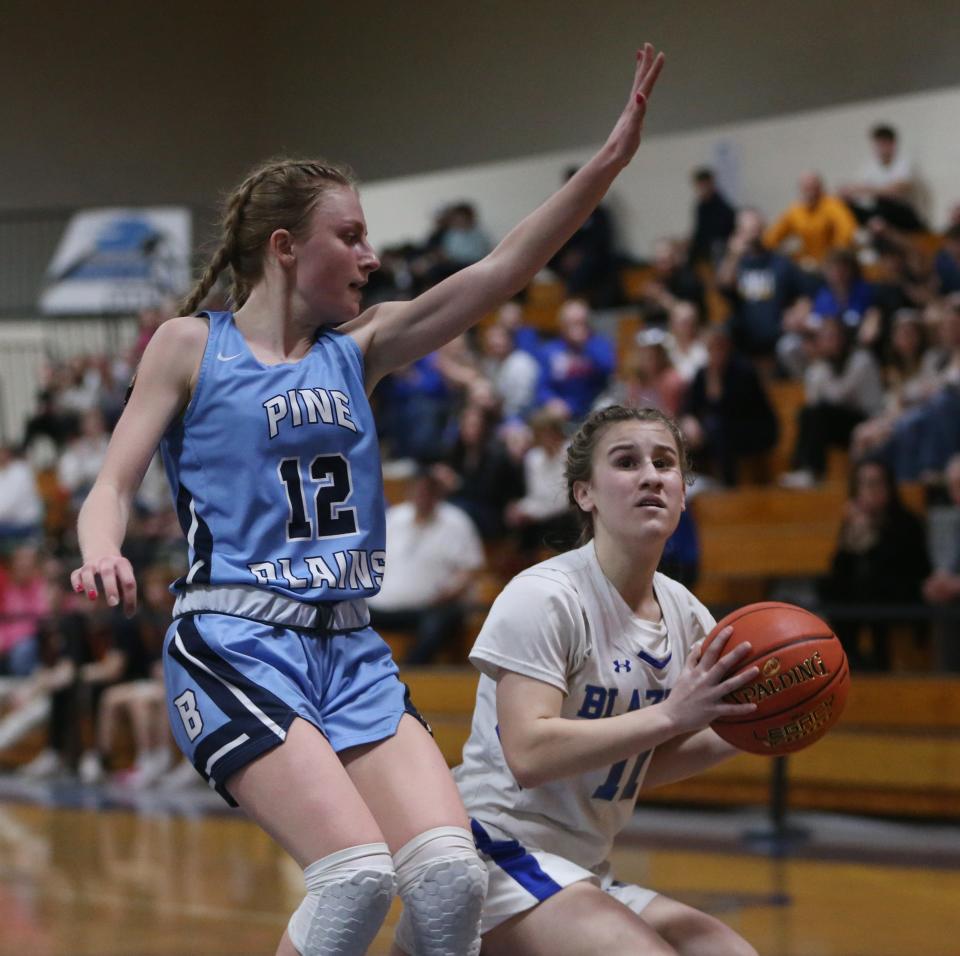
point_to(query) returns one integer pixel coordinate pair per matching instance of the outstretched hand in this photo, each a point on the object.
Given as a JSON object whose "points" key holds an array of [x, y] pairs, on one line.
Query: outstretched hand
{"points": [[625, 137]]}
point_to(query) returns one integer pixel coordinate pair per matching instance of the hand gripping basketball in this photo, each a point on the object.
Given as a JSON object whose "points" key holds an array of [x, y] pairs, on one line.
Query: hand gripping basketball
{"points": [[802, 684], [703, 692]]}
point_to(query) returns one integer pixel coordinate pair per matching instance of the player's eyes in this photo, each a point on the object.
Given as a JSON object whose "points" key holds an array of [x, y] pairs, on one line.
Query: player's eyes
{"points": [[627, 461]]}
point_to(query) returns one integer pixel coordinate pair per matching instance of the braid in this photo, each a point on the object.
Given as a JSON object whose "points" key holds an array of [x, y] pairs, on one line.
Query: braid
{"points": [[239, 289], [205, 283], [290, 190], [226, 252]]}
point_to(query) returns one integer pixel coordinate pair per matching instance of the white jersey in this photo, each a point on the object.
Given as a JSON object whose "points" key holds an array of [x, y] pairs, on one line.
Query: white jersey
{"points": [[564, 623]]}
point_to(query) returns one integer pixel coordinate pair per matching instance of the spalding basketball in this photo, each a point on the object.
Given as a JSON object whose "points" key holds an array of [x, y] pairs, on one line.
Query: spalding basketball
{"points": [[803, 682]]}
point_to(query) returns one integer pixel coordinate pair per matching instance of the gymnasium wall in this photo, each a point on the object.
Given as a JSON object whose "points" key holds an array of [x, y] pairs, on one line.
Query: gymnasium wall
{"points": [[653, 198], [142, 102]]}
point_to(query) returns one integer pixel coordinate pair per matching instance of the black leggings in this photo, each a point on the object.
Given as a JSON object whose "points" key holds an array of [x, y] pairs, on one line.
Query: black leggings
{"points": [[821, 426]]}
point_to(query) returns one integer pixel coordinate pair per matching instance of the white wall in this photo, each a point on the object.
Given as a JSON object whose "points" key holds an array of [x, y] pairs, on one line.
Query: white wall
{"points": [[652, 197], [27, 346], [145, 103]]}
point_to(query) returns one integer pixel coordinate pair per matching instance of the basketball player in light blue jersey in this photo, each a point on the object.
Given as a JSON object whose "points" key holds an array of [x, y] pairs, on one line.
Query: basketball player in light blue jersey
{"points": [[279, 692]]}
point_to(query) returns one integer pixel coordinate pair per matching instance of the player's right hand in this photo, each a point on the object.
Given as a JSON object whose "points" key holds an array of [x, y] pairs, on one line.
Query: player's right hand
{"points": [[116, 576], [696, 699]]}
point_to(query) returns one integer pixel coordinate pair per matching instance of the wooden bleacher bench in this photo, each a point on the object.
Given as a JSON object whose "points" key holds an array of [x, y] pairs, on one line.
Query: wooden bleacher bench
{"points": [[896, 749], [543, 303], [758, 534], [445, 697], [633, 281], [768, 532], [786, 397]]}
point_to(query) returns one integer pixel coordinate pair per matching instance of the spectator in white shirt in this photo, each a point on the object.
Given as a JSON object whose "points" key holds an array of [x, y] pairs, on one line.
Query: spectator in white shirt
{"points": [[513, 372], [21, 508], [685, 344], [542, 516], [886, 185], [80, 463], [433, 556]]}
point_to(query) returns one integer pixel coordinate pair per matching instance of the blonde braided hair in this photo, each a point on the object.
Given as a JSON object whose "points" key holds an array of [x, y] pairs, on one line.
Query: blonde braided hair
{"points": [[278, 194]]}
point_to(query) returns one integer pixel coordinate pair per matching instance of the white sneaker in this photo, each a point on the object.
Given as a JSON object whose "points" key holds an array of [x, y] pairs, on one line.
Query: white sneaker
{"points": [[798, 479], [18, 723], [90, 770], [46, 764], [183, 775], [148, 769]]}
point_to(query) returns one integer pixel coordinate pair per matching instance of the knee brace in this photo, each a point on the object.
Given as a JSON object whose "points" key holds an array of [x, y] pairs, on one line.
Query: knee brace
{"points": [[348, 895], [442, 882]]}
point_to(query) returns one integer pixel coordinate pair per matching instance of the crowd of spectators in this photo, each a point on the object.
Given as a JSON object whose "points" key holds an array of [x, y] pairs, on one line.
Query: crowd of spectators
{"points": [[845, 293]]}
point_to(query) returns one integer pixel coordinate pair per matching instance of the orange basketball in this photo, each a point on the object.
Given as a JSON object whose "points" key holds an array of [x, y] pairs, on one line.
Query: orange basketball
{"points": [[803, 682]]}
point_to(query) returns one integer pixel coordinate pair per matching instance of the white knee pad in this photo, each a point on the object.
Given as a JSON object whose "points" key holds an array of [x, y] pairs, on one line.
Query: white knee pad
{"points": [[442, 882], [348, 895]]}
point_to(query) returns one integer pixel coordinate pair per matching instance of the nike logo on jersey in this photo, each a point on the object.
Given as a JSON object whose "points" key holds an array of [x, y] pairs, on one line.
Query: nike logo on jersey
{"points": [[228, 358]]}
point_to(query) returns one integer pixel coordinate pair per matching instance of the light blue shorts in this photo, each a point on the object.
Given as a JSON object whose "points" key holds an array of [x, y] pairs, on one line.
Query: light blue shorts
{"points": [[234, 686]]}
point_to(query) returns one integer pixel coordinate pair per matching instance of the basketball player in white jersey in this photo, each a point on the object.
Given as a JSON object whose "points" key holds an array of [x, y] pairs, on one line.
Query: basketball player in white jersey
{"points": [[592, 687]]}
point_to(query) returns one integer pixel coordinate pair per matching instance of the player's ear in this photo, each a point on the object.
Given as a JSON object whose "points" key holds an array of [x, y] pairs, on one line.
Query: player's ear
{"points": [[280, 244], [582, 495]]}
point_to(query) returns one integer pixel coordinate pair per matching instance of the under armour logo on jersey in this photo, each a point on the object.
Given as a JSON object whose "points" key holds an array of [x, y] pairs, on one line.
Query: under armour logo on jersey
{"points": [[621, 666]]}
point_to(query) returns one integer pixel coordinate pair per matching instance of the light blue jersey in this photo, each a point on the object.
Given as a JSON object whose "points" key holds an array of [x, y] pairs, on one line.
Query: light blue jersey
{"points": [[275, 471]]}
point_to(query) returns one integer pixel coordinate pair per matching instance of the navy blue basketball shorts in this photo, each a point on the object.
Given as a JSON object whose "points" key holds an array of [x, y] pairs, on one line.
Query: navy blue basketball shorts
{"points": [[234, 687]]}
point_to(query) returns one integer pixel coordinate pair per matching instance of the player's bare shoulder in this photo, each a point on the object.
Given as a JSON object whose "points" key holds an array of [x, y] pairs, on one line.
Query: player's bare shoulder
{"points": [[177, 349], [185, 333], [169, 368]]}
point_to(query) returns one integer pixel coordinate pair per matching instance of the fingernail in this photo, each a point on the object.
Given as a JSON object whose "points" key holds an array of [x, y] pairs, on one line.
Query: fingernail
{"points": [[113, 602], [641, 99], [79, 589], [92, 595]]}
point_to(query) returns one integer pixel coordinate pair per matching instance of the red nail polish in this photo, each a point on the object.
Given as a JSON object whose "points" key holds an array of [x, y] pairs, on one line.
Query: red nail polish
{"points": [[92, 595], [79, 589], [641, 99]]}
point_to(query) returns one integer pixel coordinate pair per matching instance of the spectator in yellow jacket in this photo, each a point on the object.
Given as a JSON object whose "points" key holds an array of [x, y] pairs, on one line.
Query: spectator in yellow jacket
{"points": [[817, 223]]}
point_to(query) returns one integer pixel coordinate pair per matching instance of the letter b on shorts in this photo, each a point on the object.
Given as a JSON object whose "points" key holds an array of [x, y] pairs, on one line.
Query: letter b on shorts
{"points": [[186, 705]]}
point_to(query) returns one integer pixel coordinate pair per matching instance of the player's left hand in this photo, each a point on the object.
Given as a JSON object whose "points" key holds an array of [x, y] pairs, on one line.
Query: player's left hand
{"points": [[625, 137]]}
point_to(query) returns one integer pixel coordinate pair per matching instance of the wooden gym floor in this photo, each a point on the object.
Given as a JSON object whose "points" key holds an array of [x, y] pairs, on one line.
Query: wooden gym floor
{"points": [[80, 879]]}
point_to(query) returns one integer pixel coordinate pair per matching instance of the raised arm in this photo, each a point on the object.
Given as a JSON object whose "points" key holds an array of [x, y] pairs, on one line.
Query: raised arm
{"points": [[541, 746], [396, 333], [163, 385]]}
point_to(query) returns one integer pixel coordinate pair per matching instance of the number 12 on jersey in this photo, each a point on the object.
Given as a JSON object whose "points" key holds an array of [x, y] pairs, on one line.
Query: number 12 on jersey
{"points": [[334, 486]]}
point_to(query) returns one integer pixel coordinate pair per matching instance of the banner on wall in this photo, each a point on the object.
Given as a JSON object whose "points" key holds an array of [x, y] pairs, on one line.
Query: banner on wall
{"points": [[119, 260]]}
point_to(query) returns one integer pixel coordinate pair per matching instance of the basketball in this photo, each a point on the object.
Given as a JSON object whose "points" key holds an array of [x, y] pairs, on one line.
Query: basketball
{"points": [[803, 682]]}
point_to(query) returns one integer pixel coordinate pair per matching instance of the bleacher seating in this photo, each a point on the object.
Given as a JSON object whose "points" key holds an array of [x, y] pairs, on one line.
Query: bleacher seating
{"points": [[750, 536], [896, 749]]}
